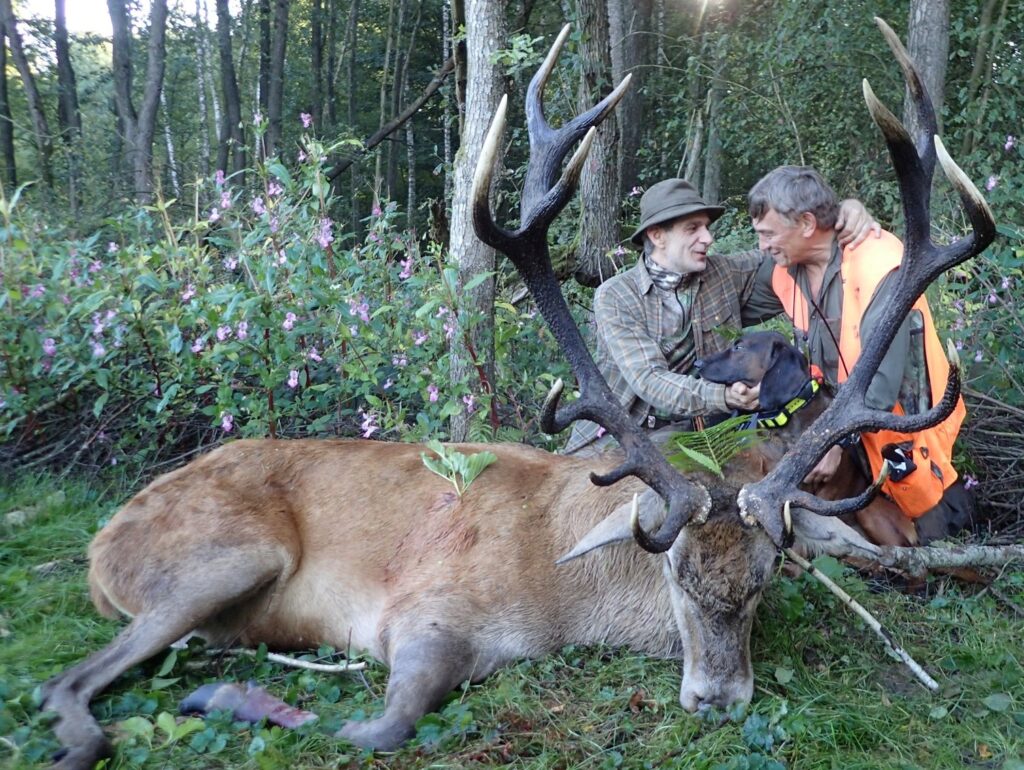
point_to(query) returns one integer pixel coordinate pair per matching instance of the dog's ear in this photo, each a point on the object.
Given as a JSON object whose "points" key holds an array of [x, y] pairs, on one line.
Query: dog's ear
{"points": [[785, 377]]}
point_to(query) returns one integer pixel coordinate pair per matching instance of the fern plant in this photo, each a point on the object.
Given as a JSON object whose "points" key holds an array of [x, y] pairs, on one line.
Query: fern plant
{"points": [[710, 449]]}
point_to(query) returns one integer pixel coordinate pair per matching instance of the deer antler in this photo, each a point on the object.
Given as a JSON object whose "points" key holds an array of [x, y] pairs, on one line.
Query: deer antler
{"points": [[923, 261], [545, 194]]}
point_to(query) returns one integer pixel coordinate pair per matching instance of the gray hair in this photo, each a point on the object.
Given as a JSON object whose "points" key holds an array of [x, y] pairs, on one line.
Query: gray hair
{"points": [[792, 190]]}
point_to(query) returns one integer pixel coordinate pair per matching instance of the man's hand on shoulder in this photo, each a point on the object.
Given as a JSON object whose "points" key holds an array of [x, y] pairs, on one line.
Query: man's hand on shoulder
{"points": [[855, 224]]}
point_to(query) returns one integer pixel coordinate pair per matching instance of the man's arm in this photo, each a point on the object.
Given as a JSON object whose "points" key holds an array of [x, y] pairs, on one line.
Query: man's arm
{"points": [[638, 356]]}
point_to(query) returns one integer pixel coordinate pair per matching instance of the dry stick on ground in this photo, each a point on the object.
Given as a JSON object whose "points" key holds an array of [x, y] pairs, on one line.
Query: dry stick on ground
{"points": [[868, 618], [286, 660]]}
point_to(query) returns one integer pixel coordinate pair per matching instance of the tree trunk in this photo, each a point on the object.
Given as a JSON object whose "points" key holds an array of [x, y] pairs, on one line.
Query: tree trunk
{"points": [[6, 121], [458, 14], [140, 127], [172, 169], [275, 101], [391, 172], [631, 37], [232, 136], [988, 42], [385, 75], [69, 118], [263, 80], [599, 183], [201, 80], [351, 31], [329, 108], [400, 93], [40, 125], [316, 45], [928, 45], [473, 346], [712, 188], [446, 51]]}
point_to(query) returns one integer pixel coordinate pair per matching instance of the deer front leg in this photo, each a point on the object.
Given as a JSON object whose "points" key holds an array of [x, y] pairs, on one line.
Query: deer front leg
{"points": [[424, 669]]}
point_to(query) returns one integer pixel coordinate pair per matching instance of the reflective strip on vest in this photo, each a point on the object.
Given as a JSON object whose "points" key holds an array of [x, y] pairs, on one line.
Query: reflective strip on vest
{"points": [[862, 270]]}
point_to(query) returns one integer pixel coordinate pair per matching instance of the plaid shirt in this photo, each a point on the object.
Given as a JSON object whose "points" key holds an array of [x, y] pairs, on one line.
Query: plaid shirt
{"points": [[648, 338]]}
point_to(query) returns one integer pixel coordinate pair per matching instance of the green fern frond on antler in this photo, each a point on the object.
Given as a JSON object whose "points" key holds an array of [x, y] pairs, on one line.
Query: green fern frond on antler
{"points": [[710, 449]]}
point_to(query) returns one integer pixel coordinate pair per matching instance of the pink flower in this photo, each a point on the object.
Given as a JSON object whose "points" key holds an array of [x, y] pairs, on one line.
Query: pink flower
{"points": [[289, 321], [369, 425], [418, 338], [257, 118], [98, 351], [214, 215], [1006, 282], [37, 291], [636, 191], [258, 206], [432, 392], [324, 237], [198, 345], [189, 293], [619, 251], [399, 360], [360, 309], [274, 189], [992, 298], [49, 346], [225, 200], [282, 258], [230, 263], [388, 383], [218, 178], [293, 378], [97, 325], [313, 355], [1011, 141], [307, 119], [95, 266], [470, 402], [449, 328], [406, 268], [442, 311], [111, 248], [978, 357], [301, 157], [375, 211], [227, 421], [242, 330], [275, 225], [969, 481], [992, 182], [223, 332]]}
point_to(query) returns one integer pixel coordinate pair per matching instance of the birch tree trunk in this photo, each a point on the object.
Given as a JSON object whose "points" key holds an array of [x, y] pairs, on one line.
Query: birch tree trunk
{"points": [[472, 347], [630, 30], [599, 183], [69, 118], [385, 75], [351, 32], [712, 187], [928, 45], [40, 125], [172, 169], [6, 121], [316, 50], [232, 135], [139, 127]]}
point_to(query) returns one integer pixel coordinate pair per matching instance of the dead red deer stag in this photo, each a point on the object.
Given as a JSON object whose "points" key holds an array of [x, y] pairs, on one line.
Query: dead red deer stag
{"points": [[269, 542]]}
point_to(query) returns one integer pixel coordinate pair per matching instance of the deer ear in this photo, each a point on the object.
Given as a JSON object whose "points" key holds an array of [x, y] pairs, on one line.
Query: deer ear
{"points": [[616, 527], [786, 376]]}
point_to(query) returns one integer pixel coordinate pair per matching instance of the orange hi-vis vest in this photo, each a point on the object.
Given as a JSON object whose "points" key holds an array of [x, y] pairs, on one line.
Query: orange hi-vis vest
{"points": [[862, 269]]}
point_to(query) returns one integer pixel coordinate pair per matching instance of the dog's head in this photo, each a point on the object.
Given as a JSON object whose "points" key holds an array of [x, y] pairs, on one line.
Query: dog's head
{"points": [[760, 357]]}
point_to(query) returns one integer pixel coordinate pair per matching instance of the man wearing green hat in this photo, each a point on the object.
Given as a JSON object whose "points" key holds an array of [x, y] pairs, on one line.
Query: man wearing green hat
{"points": [[655, 319]]}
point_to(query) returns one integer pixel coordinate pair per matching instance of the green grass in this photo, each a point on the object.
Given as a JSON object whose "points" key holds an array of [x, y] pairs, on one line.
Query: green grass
{"points": [[827, 696]]}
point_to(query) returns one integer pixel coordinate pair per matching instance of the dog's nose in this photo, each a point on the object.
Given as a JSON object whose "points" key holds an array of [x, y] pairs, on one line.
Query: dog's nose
{"points": [[698, 364]]}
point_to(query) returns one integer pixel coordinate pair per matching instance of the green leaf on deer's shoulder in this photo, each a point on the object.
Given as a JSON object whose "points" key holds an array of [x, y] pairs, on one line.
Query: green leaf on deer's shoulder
{"points": [[705, 462], [783, 675]]}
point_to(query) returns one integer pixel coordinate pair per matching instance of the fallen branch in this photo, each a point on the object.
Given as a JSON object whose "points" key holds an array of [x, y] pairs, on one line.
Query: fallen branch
{"points": [[286, 660], [868, 618], [917, 561], [397, 122]]}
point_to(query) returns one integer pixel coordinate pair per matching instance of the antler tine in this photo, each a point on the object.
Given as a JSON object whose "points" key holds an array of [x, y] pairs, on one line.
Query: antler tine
{"points": [[923, 261], [543, 198], [928, 125]]}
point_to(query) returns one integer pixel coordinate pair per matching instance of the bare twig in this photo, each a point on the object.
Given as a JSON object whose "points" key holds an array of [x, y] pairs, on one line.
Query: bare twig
{"points": [[286, 660], [867, 617]]}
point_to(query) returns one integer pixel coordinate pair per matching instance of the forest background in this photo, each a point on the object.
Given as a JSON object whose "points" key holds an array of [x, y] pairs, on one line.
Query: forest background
{"points": [[250, 218]]}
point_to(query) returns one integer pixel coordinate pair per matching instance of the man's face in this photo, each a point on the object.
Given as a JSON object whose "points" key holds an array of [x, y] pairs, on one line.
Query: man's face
{"points": [[781, 238], [682, 245]]}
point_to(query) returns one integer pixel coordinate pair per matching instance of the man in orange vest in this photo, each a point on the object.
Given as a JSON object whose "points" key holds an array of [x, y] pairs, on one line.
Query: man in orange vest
{"points": [[833, 297]]}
